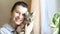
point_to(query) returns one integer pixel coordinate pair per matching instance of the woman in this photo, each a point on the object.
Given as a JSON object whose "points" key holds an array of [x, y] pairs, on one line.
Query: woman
{"points": [[19, 21]]}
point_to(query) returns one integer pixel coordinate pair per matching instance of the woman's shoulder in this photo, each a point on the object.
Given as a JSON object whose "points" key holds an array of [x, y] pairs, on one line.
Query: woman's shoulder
{"points": [[3, 29]]}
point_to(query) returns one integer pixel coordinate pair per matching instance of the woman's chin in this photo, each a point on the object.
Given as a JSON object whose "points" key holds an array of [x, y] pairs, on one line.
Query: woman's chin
{"points": [[18, 23]]}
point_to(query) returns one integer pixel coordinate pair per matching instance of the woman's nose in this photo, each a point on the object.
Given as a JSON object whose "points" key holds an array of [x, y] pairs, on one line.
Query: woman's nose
{"points": [[20, 16]]}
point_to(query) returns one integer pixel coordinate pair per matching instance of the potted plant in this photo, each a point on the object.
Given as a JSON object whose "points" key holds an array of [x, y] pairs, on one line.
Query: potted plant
{"points": [[56, 23]]}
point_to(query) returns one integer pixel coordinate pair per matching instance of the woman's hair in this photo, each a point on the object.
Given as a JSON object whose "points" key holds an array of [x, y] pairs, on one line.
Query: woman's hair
{"points": [[19, 3]]}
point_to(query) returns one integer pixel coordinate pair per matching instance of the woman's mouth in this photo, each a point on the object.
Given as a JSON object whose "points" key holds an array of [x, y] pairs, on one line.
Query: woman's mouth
{"points": [[17, 19]]}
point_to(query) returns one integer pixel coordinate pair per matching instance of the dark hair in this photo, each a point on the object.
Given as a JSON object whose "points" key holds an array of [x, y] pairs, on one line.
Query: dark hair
{"points": [[19, 3]]}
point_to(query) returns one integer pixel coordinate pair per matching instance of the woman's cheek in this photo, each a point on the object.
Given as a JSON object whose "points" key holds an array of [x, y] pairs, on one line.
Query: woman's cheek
{"points": [[15, 14]]}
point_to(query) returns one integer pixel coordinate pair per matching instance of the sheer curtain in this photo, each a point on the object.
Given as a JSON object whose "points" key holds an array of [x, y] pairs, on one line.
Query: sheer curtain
{"points": [[48, 8]]}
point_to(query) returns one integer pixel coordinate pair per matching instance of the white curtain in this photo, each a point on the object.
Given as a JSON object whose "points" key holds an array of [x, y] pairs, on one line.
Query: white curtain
{"points": [[48, 8]]}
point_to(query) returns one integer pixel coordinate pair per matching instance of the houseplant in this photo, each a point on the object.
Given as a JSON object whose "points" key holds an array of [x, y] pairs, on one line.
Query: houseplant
{"points": [[56, 23]]}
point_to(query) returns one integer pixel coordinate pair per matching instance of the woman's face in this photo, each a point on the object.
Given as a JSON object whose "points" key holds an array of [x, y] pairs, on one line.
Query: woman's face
{"points": [[18, 14]]}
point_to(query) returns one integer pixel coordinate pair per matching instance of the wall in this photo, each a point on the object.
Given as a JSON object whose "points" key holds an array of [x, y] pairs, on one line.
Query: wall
{"points": [[35, 7], [5, 7]]}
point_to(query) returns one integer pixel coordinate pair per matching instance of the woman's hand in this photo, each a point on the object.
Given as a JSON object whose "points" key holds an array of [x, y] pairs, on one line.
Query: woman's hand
{"points": [[18, 29], [29, 28]]}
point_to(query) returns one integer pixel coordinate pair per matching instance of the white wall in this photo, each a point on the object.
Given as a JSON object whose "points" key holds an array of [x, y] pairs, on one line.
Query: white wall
{"points": [[58, 5]]}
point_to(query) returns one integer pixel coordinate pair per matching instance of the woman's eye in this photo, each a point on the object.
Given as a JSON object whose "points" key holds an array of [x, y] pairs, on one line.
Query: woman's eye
{"points": [[23, 14], [17, 12]]}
